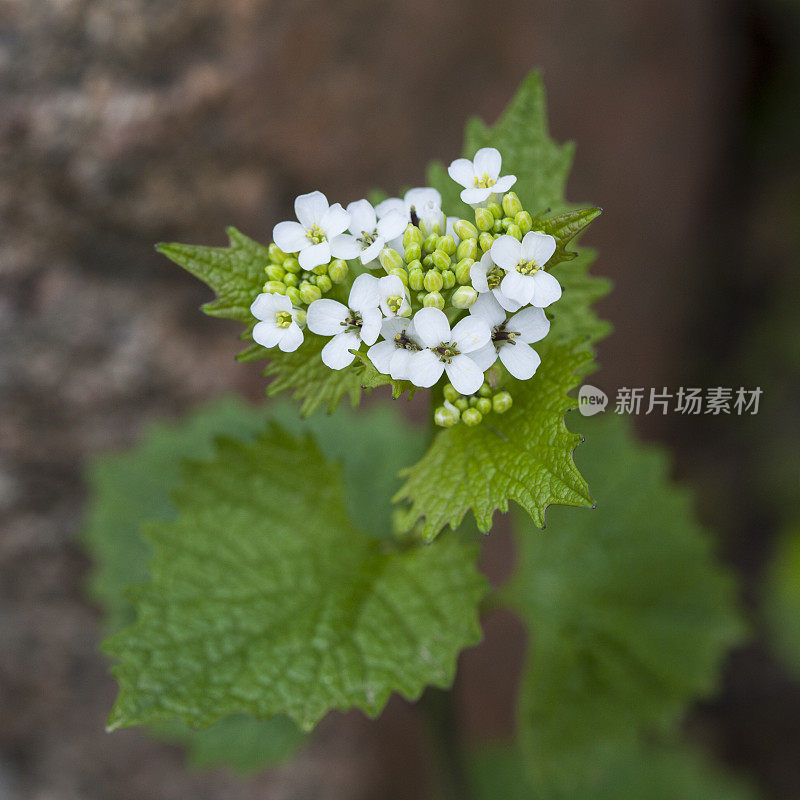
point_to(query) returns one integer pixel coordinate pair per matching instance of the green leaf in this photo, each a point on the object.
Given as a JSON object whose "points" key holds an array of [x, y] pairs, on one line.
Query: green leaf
{"points": [[564, 228], [782, 601], [524, 455], [630, 616], [265, 599]]}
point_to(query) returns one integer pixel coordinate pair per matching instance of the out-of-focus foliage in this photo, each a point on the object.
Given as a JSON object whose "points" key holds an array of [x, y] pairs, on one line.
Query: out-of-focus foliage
{"points": [[782, 599]]}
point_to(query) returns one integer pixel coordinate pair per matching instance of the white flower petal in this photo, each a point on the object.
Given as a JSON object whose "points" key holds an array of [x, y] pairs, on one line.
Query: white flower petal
{"points": [[267, 305], [369, 254], [520, 359], [506, 302], [392, 225], [488, 309], [336, 353], [371, 319], [380, 355], [546, 289], [531, 324], [518, 287], [506, 252], [502, 185], [400, 363], [487, 160], [290, 237], [478, 272], [345, 246], [476, 196], [538, 247], [267, 333], [485, 356], [421, 196], [465, 375], [292, 338], [461, 172], [310, 209], [391, 326], [335, 221], [425, 368], [450, 229], [364, 293], [315, 256], [471, 333], [391, 204], [362, 217], [432, 327], [326, 317]]}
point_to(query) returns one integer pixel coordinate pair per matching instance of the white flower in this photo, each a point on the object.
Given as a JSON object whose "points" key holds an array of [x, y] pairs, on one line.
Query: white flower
{"points": [[446, 350], [278, 324], [422, 200], [358, 321], [398, 350], [318, 236], [373, 234], [511, 338], [481, 176], [393, 297], [486, 276], [525, 280]]}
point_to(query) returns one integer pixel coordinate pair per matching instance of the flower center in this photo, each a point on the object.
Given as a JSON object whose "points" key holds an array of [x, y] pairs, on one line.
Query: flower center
{"points": [[495, 277], [315, 234], [501, 336], [402, 341], [484, 181], [527, 267], [283, 319], [352, 322], [446, 351], [394, 303], [368, 238]]}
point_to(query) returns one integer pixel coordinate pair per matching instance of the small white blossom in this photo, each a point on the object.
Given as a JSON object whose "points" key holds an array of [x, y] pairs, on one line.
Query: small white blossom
{"points": [[525, 280], [393, 297], [446, 350], [279, 322], [481, 176], [319, 235], [422, 200], [371, 233], [358, 321], [511, 338], [486, 276], [395, 354]]}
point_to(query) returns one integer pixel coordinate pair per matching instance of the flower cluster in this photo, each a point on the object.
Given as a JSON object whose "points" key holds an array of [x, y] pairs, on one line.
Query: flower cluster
{"points": [[427, 295]]}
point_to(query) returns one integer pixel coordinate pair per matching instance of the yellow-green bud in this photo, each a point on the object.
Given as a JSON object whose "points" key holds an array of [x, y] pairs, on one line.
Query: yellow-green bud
{"points": [[467, 249], [462, 270], [497, 227], [447, 244], [324, 283], [464, 297], [390, 259], [421, 297], [276, 254], [465, 230], [412, 235], [416, 279], [485, 390], [274, 272], [524, 221], [446, 417], [275, 287], [291, 264], [429, 245], [402, 274], [413, 252], [473, 401], [417, 264], [485, 242], [472, 417], [337, 270], [309, 293], [433, 300], [501, 402], [450, 392], [290, 279], [293, 293], [511, 204], [513, 230], [427, 262], [440, 259], [461, 403], [484, 219], [484, 405], [496, 209], [322, 269], [448, 278], [300, 315], [433, 281]]}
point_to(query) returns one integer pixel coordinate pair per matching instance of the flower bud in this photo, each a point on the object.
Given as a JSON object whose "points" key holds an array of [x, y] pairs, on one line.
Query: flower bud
{"points": [[463, 297], [421, 297], [484, 405], [524, 221], [513, 230], [274, 272], [324, 283], [467, 249], [337, 270], [462, 404], [511, 204], [429, 245], [309, 293], [496, 209], [293, 293], [448, 279], [427, 262], [484, 219], [485, 390], [485, 242], [275, 287], [402, 274], [413, 252], [501, 402], [412, 235], [450, 392], [276, 254], [416, 279], [497, 227], [432, 220], [447, 244], [446, 416], [322, 269], [433, 300], [291, 264], [290, 279], [472, 417], [433, 281], [440, 259], [462, 270], [465, 230], [390, 259]]}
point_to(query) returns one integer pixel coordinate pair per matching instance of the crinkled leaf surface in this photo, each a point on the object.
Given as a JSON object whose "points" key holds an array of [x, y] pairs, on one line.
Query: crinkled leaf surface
{"points": [[266, 599], [630, 616]]}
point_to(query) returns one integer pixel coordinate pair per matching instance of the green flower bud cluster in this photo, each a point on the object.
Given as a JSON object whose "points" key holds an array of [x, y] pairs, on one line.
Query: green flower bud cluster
{"points": [[496, 219], [302, 287], [470, 410]]}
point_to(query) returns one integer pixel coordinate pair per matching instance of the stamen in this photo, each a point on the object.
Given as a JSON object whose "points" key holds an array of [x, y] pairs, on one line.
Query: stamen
{"points": [[283, 319]]}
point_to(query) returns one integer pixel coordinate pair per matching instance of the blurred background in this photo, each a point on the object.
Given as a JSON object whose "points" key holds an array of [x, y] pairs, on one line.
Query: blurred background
{"points": [[127, 122]]}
